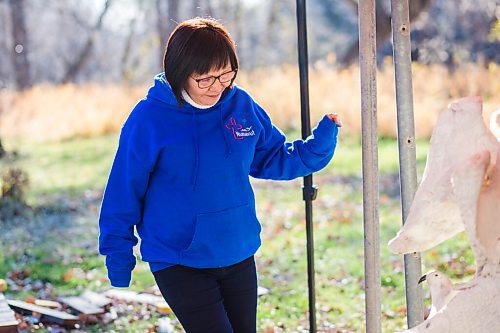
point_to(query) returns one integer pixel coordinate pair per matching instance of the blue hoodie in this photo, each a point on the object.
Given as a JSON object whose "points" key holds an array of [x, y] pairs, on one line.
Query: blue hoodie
{"points": [[181, 178]]}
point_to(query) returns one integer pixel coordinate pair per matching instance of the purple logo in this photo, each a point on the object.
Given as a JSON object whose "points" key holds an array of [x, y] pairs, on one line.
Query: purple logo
{"points": [[239, 133]]}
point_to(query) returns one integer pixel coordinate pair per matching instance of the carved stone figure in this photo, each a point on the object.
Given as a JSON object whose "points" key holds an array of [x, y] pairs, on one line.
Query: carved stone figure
{"points": [[460, 190]]}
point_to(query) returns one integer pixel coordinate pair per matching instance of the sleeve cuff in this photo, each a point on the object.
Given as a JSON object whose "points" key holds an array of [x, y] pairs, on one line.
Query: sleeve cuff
{"points": [[324, 136], [119, 278], [326, 128]]}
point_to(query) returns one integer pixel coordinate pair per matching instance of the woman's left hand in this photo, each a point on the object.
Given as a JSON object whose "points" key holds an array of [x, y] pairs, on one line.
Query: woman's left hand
{"points": [[335, 118]]}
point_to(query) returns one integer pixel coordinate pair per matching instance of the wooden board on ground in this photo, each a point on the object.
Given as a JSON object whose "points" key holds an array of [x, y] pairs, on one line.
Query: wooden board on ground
{"points": [[47, 304], [96, 299], [47, 315], [133, 297], [123, 295], [143, 298], [8, 321], [81, 305]]}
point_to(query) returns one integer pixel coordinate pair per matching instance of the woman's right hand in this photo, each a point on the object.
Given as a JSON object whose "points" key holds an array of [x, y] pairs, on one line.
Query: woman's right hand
{"points": [[335, 118]]}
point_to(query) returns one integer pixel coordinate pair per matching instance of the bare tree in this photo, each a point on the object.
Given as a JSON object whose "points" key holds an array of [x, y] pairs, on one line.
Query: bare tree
{"points": [[125, 69], [270, 36], [238, 16], [162, 23], [196, 8], [20, 39], [202, 8], [167, 20], [383, 26], [76, 66], [2, 150], [2, 109]]}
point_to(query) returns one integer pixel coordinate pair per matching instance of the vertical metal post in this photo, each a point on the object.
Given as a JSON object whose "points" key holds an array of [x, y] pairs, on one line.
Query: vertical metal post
{"points": [[309, 190], [406, 142], [368, 69]]}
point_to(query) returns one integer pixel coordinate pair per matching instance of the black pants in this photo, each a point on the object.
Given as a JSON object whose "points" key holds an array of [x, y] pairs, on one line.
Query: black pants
{"points": [[218, 300]]}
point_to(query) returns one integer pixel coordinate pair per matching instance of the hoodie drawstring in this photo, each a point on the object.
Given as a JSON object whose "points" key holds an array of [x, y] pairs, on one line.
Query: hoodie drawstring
{"points": [[223, 129], [194, 122]]}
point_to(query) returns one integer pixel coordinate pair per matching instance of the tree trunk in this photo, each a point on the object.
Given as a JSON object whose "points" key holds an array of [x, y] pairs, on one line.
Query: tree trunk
{"points": [[202, 8], [161, 24], [196, 9], [173, 14], [75, 67], [269, 45], [2, 150], [127, 72], [168, 18], [383, 26], [209, 8], [20, 49], [238, 18]]}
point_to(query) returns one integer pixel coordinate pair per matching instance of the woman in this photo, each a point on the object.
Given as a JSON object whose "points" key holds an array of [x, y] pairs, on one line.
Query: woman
{"points": [[181, 178]]}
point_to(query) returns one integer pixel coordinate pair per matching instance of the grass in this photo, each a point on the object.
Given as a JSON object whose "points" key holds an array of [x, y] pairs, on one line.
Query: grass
{"points": [[68, 167], [61, 248]]}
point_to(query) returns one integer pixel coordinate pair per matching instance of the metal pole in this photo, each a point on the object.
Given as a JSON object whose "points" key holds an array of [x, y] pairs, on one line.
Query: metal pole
{"points": [[406, 143], [368, 71], [309, 190]]}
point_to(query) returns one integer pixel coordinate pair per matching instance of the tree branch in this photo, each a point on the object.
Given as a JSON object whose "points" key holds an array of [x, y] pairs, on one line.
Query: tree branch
{"points": [[75, 67], [383, 27]]}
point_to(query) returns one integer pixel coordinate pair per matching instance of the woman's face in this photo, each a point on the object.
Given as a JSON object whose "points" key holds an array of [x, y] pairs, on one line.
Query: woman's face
{"points": [[211, 94]]}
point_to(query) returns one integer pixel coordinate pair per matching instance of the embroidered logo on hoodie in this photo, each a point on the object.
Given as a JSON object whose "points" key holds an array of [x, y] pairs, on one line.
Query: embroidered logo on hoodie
{"points": [[239, 133]]}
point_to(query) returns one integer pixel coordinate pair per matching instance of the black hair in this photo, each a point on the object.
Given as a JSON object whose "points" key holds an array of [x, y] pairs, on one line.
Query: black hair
{"points": [[197, 46]]}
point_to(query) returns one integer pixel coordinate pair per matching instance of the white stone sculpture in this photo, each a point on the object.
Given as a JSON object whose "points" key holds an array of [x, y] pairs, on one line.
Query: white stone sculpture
{"points": [[495, 123], [460, 190], [442, 290]]}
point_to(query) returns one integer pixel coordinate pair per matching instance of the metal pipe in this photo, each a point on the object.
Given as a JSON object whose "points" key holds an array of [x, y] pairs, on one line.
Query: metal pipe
{"points": [[406, 143], [309, 190], [368, 72]]}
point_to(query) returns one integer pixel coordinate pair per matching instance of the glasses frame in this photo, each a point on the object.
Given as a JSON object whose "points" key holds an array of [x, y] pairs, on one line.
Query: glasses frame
{"points": [[215, 78]]}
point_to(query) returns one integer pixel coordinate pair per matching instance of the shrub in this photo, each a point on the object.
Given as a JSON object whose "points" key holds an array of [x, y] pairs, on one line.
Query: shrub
{"points": [[14, 185]]}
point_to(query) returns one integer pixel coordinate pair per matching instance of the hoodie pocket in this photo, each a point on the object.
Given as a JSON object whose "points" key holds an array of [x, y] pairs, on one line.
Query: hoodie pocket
{"points": [[223, 238]]}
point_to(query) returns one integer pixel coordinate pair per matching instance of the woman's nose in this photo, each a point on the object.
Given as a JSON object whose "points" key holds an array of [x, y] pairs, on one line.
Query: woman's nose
{"points": [[217, 86]]}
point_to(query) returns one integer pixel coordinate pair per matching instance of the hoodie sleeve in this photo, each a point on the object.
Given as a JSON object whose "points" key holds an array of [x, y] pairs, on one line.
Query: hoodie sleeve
{"points": [[280, 160], [122, 203]]}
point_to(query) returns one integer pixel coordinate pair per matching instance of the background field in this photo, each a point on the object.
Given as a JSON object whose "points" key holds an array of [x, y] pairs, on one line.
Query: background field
{"points": [[71, 71]]}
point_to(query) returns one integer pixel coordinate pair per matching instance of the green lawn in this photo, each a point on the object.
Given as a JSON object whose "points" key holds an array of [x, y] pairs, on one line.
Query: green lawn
{"points": [[57, 241]]}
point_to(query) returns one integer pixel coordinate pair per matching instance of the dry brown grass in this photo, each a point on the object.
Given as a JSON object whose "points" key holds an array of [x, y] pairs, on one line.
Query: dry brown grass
{"points": [[50, 113], [339, 91]]}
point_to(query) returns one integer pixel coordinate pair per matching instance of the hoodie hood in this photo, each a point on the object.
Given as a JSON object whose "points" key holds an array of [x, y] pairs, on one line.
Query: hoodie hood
{"points": [[162, 92]]}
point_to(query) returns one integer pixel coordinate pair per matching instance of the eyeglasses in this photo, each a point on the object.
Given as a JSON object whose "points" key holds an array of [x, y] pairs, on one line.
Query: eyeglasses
{"points": [[208, 81]]}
